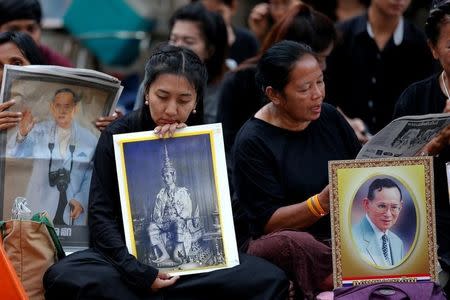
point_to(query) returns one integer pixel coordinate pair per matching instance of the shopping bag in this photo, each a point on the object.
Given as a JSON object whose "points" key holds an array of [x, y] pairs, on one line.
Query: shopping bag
{"points": [[32, 246]]}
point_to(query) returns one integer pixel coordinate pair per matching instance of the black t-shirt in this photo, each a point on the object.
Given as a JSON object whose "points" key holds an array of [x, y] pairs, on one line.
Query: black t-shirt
{"points": [[275, 167], [105, 216], [245, 45], [365, 81]]}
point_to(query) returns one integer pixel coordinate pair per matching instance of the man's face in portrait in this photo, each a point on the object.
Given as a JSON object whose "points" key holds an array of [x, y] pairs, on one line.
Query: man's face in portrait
{"points": [[385, 207], [63, 109]]}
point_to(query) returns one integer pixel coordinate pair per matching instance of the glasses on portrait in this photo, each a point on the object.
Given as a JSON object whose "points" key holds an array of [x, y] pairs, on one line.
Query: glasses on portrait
{"points": [[383, 208], [63, 108]]}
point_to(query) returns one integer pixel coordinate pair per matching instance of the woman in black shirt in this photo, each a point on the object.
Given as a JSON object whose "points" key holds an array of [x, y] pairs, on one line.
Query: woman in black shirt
{"points": [[281, 166], [174, 84]]}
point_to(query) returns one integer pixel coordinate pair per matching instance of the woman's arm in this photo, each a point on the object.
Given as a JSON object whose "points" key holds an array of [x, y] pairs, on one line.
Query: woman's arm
{"points": [[299, 215]]}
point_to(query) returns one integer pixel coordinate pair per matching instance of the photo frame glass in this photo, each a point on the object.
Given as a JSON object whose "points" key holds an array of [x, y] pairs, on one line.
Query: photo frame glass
{"points": [[382, 216], [175, 200], [46, 160]]}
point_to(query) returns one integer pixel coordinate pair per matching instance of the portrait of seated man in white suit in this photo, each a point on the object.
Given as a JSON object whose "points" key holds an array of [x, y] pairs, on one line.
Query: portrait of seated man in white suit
{"points": [[372, 234], [62, 152]]}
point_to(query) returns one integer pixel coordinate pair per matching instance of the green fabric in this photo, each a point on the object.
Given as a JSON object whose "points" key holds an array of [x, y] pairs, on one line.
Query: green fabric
{"points": [[42, 218]]}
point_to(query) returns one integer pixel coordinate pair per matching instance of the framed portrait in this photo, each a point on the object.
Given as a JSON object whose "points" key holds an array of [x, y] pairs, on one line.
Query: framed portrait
{"points": [[382, 221], [175, 200], [46, 162]]}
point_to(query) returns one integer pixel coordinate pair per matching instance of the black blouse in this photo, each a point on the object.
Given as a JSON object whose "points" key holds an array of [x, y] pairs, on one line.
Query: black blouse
{"points": [[275, 167], [105, 216]]}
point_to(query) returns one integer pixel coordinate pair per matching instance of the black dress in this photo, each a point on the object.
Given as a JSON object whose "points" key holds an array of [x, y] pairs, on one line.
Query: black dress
{"points": [[108, 271], [426, 97]]}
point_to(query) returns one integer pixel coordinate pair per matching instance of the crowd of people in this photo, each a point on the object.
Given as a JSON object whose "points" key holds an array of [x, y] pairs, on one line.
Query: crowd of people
{"points": [[304, 84]]}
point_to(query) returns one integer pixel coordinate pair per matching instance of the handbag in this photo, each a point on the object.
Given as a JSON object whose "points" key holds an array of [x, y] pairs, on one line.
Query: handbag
{"points": [[392, 291], [32, 246]]}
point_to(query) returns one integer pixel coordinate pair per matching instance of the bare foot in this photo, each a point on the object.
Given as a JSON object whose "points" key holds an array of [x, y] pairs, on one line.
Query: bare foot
{"points": [[162, 258]]}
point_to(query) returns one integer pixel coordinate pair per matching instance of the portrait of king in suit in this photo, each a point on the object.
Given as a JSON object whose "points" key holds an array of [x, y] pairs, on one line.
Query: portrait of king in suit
{"points": [[373, 234]]}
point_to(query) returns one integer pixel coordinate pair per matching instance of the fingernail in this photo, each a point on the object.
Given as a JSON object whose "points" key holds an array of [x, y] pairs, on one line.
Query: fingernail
{"points": [[101, 118], [114, 114], [156, 130]]}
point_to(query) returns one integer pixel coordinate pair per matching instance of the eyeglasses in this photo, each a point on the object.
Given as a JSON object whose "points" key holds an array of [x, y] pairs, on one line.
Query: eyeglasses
{"points": [[383, 208], [65, 108]]}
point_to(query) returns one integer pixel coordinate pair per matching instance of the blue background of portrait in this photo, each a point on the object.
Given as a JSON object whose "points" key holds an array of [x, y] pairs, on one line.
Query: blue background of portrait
{"points": [[192, 159]]}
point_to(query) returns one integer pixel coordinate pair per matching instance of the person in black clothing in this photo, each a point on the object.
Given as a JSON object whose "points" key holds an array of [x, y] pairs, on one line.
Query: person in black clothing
{"points": [[281, 166], [431, 96], [240, 98], [371, 66], [174, 84]]}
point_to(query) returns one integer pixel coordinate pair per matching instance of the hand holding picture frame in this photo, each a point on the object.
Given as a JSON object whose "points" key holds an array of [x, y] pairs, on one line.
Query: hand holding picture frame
{"points": [[382, 216], [175, 200]]}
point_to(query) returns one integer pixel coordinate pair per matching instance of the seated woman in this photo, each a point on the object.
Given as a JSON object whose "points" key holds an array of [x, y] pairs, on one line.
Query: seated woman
{"points": [[430, 96], [281, 166], [240, 98], [174, 83]]}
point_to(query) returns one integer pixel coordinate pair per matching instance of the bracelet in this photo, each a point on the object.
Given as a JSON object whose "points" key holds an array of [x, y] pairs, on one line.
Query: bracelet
{"points": [[311, 207], [318, 206]]}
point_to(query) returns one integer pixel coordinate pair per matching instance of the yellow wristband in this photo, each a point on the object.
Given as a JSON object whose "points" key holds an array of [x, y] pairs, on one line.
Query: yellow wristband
{"points": [[318, 206], [311, 207]]}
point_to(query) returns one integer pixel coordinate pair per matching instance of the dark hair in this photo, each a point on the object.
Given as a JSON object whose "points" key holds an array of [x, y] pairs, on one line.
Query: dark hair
{"points": [[75, 97], [227, 2], [438, 16], [214, 31], [25, 44], [168, 59], [303, 24], [379, 184], [276, 64], [11, 10]]}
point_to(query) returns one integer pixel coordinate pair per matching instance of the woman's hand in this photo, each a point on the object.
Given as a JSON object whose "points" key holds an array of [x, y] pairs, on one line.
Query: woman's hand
{"points": [[324, 198], [258, 20], [447, 106], [438, 143], [163, 280], [168, 130], [360, 129], [102, 122], [9, 119]]}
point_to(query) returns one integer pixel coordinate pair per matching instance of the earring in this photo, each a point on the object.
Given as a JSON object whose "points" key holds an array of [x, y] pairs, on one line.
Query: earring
{"points": [[146, 102], [194, 111]]}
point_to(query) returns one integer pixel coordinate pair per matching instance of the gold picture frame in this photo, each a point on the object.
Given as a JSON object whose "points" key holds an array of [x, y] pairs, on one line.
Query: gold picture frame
{"points": [[412, 247]]}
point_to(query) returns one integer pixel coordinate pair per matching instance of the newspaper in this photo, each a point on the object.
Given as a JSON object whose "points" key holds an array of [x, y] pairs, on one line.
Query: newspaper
{"points": [[405, 136], [46, 157]]}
